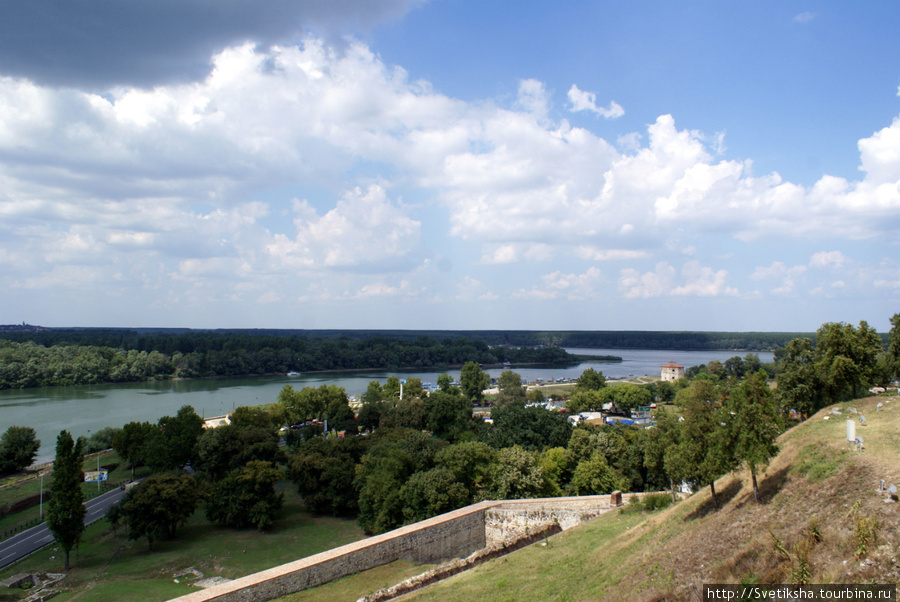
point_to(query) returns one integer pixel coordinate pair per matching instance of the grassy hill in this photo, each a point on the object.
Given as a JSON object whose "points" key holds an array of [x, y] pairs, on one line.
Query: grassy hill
{"points": [[819, 500]]}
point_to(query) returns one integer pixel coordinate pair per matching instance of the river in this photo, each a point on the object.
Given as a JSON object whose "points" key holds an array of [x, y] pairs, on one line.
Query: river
{"points": [[86, 409]]}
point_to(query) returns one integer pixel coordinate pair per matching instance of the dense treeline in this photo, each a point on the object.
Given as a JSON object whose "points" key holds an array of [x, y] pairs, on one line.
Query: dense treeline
{"points": [[62, 358], [170, 340], [726, 341]]}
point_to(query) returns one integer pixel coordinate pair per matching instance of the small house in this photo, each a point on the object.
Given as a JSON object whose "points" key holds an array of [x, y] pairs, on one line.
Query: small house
{"points": [[671, 371]]}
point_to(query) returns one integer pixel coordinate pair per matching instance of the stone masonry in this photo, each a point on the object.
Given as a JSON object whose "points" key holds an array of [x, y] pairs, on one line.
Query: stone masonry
{"points": [[456, 534]]}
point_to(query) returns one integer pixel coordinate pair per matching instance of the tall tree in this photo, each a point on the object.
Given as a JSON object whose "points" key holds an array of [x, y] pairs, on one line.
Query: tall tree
{"points": [[129, 442], [591, 380], [511, 390], [473, 381], [173, 444], [18, 448], [800, 386], [703, 452], [448, 416], [430, 493], [893, 350], [65, 510], [754, 425], [845, 358], [515, 475], [660, 439]]}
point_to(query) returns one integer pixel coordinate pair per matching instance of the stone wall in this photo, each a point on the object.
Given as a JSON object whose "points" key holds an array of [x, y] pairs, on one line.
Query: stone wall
{"points": [[512, 519], [455, 534]]}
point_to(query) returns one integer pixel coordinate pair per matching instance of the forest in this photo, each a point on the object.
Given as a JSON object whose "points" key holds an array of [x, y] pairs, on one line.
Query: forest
{"points": [[64, 358]]}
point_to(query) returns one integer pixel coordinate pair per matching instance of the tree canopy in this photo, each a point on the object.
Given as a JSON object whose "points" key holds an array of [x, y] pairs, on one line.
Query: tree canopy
{"points": [[65, 510], [18, 448]]}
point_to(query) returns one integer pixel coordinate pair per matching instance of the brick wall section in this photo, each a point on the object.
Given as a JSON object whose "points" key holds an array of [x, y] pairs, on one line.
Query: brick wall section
{"points": [[455, 534]]}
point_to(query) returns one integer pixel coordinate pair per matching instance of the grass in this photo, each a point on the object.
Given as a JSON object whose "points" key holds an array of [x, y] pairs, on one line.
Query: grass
{"points": [[541, 572], [362, 584], [23, 486], [817, 484], [109, 566]]}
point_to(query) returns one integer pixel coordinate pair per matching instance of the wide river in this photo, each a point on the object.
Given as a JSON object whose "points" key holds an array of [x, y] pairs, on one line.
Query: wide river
{"points": [[86, 409]]}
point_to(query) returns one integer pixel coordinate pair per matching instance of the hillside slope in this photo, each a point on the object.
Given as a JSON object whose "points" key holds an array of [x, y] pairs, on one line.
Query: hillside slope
{"points": [[819, 498]]}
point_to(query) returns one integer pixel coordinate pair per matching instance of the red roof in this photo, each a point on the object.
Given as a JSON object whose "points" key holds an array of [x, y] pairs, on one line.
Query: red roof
{"points": [[672, 365]]}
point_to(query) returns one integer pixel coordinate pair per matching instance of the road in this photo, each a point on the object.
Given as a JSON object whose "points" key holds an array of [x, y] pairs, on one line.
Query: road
{"points": [[35, 538]]}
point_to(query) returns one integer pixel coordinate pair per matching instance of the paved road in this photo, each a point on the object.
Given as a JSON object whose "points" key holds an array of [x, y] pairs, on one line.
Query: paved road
{"points": [[35, 538]]}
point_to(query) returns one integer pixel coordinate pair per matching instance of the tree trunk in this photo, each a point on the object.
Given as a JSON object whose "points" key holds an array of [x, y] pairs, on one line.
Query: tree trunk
{"points": [[755, 485], [672, 487], [712, 488], [66, 567]]}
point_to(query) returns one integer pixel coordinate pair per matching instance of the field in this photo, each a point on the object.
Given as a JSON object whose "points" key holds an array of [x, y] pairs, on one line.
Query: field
{"points": [[109, 566]]}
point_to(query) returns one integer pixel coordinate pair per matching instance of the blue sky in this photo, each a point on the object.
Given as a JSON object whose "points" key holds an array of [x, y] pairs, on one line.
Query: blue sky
{"points": [[449, 164]]}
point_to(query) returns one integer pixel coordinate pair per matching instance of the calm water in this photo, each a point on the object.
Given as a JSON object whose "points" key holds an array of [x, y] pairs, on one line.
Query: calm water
{"points": [[83, 410]]}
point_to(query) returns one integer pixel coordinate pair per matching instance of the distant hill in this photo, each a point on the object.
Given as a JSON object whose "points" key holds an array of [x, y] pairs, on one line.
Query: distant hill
{"points": [[820, 497], [23, 327]]}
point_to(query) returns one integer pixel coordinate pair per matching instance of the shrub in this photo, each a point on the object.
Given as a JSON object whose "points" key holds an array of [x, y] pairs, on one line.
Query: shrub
{"points": [[657, 501]]}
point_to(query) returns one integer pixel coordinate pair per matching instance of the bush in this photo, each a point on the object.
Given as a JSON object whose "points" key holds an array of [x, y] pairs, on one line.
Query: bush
{"points": [[657, 501]]}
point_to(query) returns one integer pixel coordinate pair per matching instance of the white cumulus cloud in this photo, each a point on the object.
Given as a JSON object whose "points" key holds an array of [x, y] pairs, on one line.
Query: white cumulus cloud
{"points": [[587, 101]]}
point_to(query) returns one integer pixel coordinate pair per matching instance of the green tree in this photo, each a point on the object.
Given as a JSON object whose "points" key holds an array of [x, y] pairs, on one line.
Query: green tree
{"points": [[845, 358], [18, 448], [532, 428], [65, 510], [379, 478], [799, 386], [130, 441], [473, 381], [659, 439], [408, 412], [594, 476], [246, 416], [246, 497], [392, 388], [754, 425], [511, 390], [448, 416], [430, 493], [626, 396], [323, 470], [231, 446], [470, 463], [374, 393], [893, 350], [173, 443], [591, 380], [515, 475], [309, 403], [445, 384], [584, 401], [703, 452], [370, 414], [159, 505]]}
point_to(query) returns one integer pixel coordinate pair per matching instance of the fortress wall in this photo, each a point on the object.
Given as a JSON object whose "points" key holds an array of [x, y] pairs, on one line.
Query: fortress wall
{"points": [[452, 535], [456, 534]]}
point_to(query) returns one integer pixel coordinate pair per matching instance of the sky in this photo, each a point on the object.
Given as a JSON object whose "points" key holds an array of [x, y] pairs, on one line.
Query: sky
{"points": [[450, 164]]}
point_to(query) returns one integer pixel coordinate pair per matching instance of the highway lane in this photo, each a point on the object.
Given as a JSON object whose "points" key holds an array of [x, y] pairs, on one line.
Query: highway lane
{"points": [[35, 538]]}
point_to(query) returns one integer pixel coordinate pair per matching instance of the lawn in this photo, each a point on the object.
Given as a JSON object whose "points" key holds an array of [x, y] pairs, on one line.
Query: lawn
{"points": [[20, 487], [109, 566]]}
